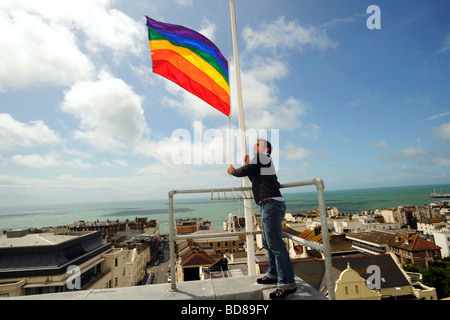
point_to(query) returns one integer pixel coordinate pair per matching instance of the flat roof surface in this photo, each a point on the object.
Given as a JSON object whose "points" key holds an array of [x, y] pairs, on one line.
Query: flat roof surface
{"points": [[34, 239], [375, 237]]}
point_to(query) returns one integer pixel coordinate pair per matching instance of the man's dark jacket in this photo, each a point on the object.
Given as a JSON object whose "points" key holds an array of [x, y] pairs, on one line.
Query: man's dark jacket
{"points": [[261, 173]]}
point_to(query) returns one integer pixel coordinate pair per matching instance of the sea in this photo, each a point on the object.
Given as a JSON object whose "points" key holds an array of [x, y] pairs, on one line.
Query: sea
{"points": [[211, 208]]}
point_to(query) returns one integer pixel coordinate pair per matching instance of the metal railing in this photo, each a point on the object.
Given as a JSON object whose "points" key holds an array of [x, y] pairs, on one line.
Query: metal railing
{"points": [[324, 247]]}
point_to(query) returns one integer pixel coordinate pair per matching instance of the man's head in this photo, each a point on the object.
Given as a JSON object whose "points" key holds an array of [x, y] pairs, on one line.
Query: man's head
{"points": [[262, 146]]}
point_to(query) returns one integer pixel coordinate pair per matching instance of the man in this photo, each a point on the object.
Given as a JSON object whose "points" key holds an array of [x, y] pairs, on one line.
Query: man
{"points": [[266, 192]]}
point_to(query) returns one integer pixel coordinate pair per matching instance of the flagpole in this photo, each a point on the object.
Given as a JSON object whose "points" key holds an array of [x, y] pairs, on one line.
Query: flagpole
{"points": [[243, 145]]}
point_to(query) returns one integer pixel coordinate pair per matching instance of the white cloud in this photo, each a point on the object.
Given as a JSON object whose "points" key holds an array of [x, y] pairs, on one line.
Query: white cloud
{"points": [[36, 161], [110, 29], [292, 152], [443, 114], [46, 42], [208, 29], [442, 132], [198, 146], [72, 188], [311, 130], [286, 35], [178, 177], [187, 104], [380, 144], [412, 153], [32, 52], [103, 26], [445, 44], [115, 164], [442, 159], [184, 2], [110, 113], [284, 116], [258, 83], [50, 160], [16, 135], [160, 150], [263, 110]]}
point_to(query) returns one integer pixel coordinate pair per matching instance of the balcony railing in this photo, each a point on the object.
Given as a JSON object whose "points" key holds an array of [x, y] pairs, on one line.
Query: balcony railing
{"points": [[95, 279], [324, 247]]}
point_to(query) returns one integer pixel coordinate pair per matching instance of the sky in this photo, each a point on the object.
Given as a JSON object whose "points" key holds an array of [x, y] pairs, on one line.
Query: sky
{"points": [[355, 95]]}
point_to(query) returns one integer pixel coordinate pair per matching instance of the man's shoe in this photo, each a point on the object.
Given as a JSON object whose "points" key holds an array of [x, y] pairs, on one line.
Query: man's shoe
{"points": [[266, 280], [281, 293]]}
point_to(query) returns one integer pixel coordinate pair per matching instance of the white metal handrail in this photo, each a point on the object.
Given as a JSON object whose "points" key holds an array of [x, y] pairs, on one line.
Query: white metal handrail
{"points": [[324, 247]]}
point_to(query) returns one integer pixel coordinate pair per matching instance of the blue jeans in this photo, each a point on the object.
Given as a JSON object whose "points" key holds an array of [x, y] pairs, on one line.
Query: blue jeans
{"points": [[280, 266]]}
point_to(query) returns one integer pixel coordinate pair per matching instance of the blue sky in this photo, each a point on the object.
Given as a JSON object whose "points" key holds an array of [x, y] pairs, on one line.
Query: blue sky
{"points": [[83, 118]]}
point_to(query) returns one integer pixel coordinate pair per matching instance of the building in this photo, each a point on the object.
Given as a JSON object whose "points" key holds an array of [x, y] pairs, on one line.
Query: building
{"points": [[429, 226], [359, 223], [365, 277], [221, 245], [109, 228], [372, 242], [37, 263], [389, 215], [190, 225], [338, 242], [234, 223], [192, 259], [408, 216], [411, 248], [137, 259], [347, 225], [442, 239], [351, 286]]}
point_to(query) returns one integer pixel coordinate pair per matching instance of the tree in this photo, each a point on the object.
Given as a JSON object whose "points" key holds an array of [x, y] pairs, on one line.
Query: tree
{"points": [[437, 276]]}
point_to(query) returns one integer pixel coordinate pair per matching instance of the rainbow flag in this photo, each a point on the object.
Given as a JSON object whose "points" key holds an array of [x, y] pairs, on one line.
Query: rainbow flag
{"points": [[190, 60]]}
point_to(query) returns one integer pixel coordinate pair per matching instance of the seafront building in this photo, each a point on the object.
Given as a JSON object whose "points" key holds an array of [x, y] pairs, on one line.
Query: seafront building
{"points": [[110, 228], [40, 263]]}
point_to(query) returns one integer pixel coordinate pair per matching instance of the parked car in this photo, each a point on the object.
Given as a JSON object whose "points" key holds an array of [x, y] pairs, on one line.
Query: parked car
{"points": [[150, 278]]}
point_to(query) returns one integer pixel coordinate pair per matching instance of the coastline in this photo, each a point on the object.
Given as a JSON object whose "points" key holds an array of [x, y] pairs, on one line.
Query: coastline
{"points": [[346, 201]]}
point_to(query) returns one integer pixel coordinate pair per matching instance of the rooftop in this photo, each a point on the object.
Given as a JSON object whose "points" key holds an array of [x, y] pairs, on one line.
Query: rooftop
{"points": [[34, 239], [234, 288], [44, 254], [373, 237], [411, 242]]}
